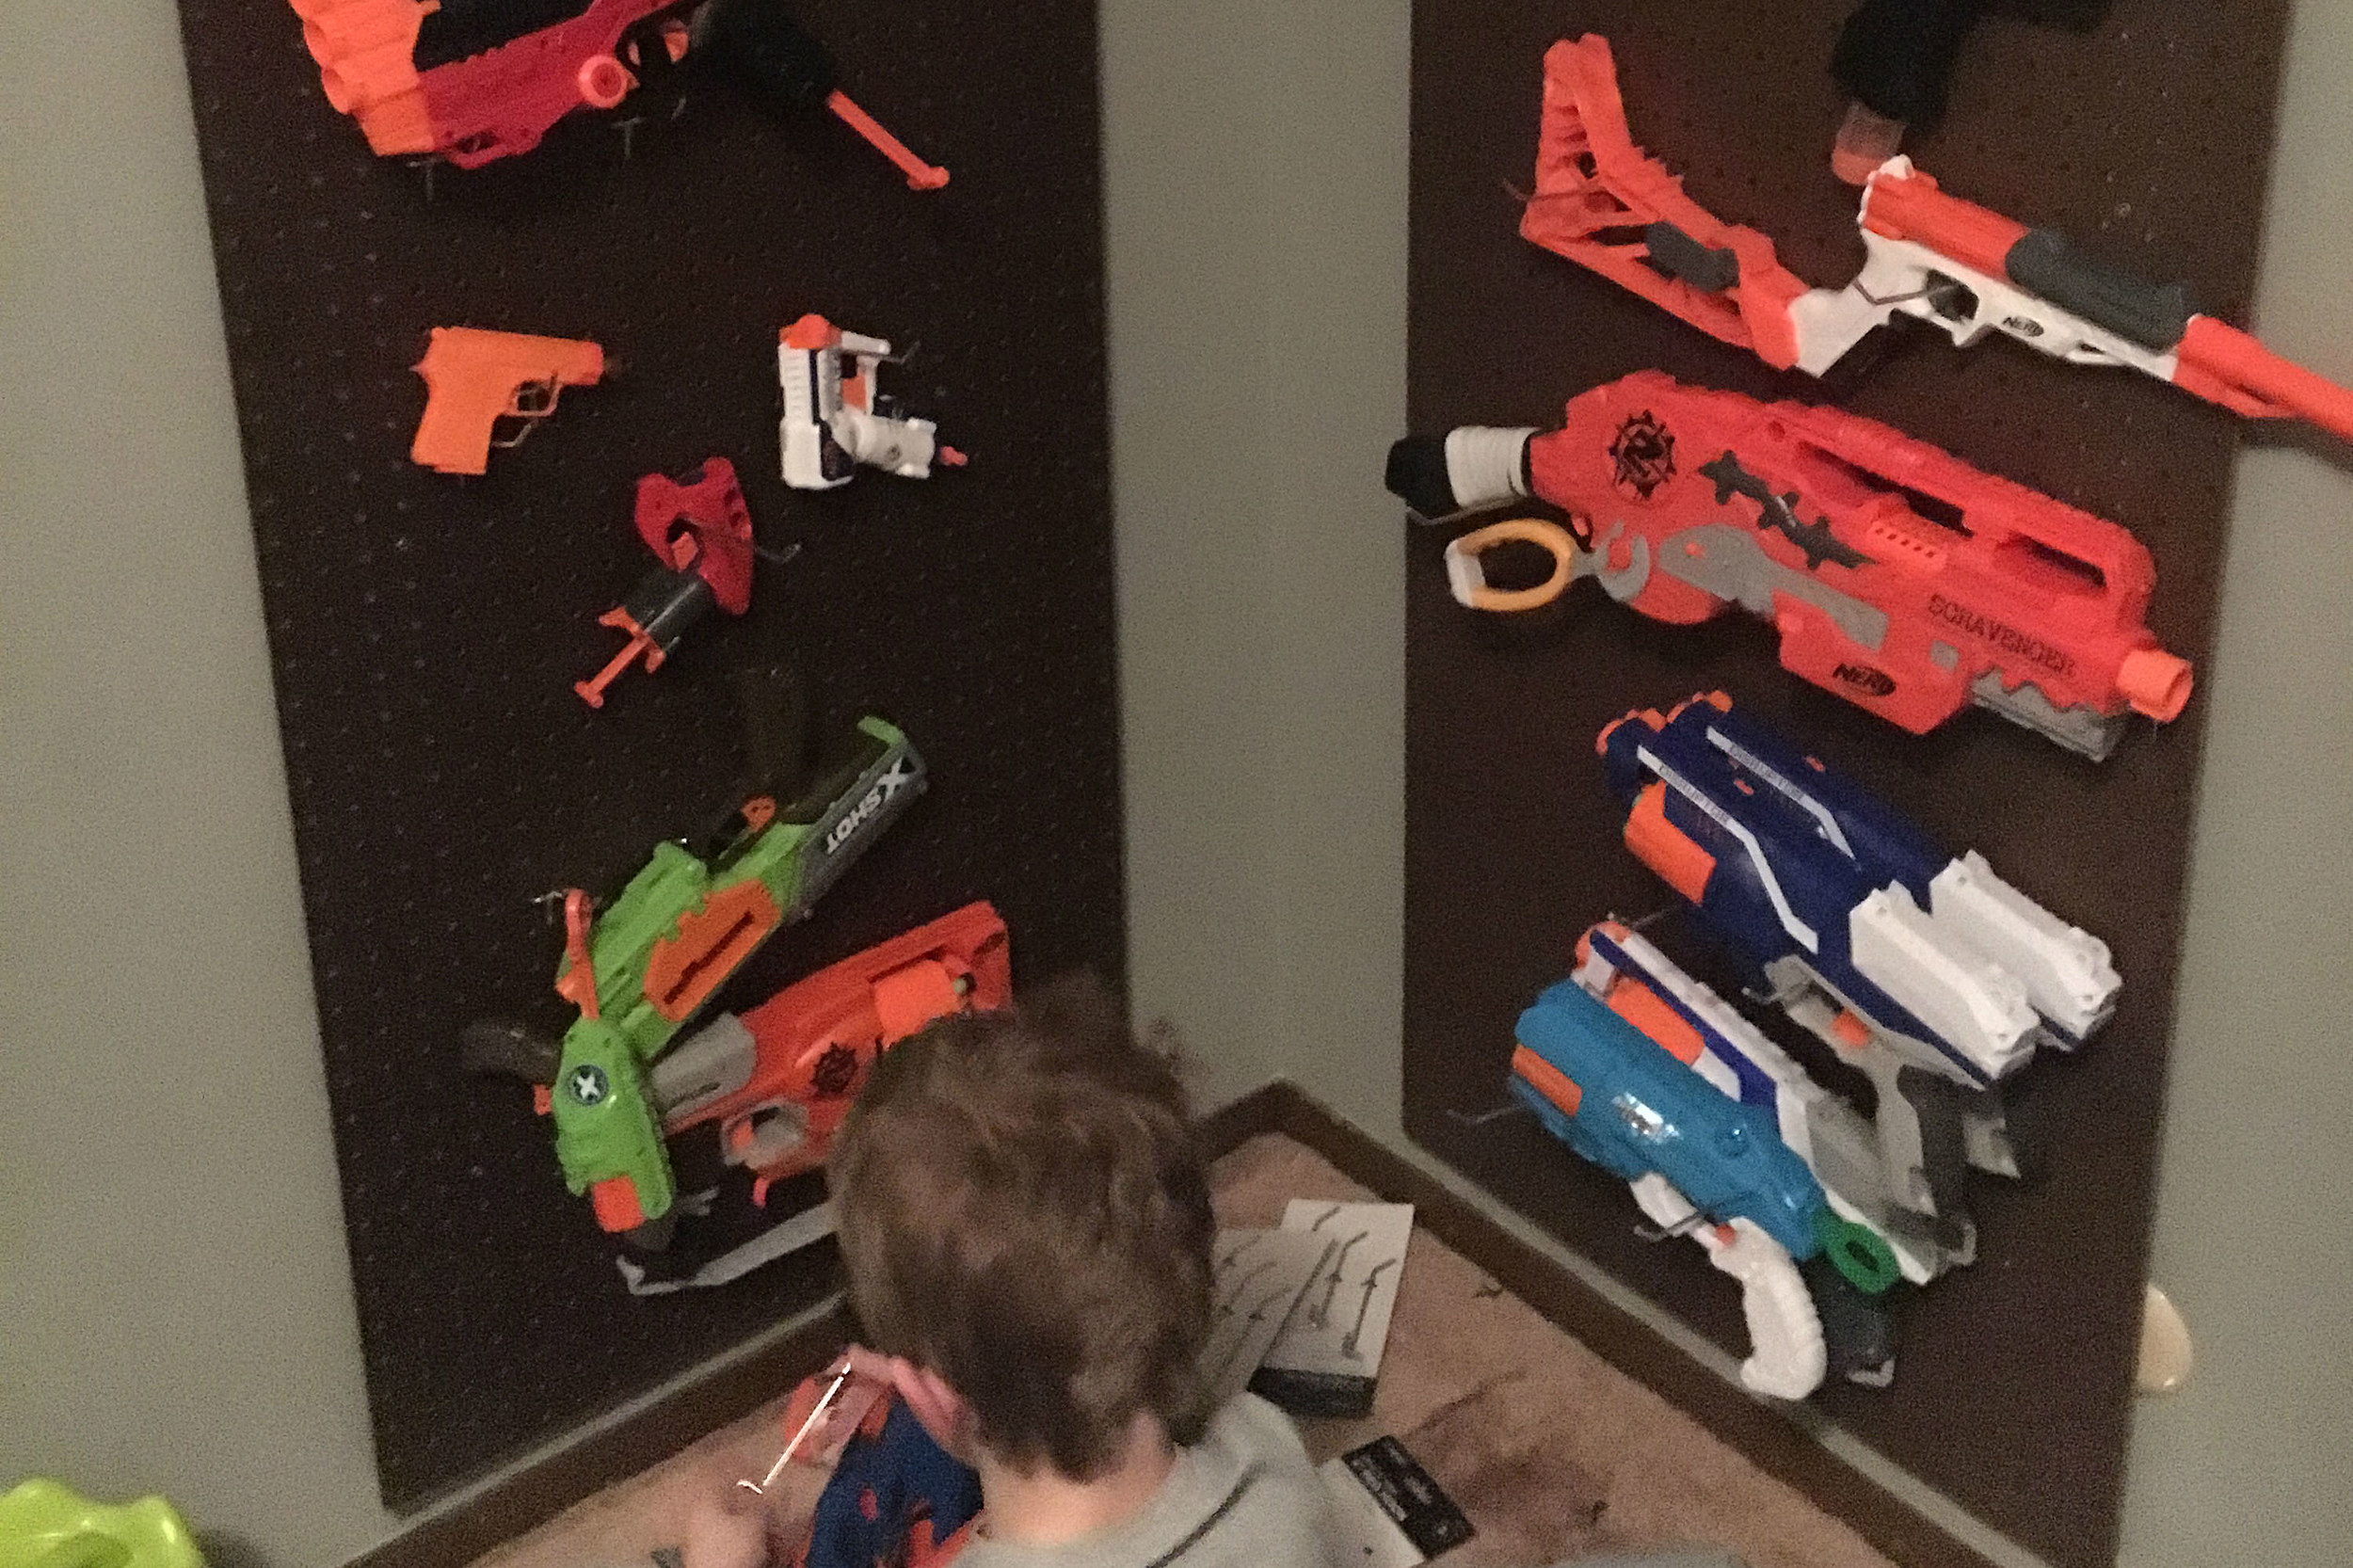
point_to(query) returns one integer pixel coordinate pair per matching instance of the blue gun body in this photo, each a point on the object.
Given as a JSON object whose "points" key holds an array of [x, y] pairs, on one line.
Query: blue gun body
{"points": [[1795, 848], [1640, 1111]]}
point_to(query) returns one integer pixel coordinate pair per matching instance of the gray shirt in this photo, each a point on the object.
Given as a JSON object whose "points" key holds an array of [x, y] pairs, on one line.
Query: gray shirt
{"points": [[1244, 1496]]}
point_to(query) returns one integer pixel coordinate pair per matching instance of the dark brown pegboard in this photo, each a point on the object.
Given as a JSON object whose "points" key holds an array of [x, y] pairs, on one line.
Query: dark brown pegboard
{"points": [[426, 631], [2146, 138]]}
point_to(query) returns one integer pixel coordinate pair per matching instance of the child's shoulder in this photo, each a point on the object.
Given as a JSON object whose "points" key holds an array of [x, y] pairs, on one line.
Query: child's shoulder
{"points": [[1275, 1513], [1253, 1429]]}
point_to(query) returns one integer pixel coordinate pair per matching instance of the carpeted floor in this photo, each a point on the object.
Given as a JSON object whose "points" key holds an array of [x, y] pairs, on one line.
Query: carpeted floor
{"points": [[1552, 1454]]}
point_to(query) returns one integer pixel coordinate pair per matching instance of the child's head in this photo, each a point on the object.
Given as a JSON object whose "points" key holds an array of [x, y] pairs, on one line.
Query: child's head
{"points": [[1024, 1214]]}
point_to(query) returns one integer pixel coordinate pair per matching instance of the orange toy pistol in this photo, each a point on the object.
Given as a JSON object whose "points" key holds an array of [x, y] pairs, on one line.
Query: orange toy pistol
{"points": [[474, 378]]}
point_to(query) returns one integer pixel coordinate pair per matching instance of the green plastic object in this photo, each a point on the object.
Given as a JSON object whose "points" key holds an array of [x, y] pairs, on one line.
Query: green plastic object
{"points": [[719, 911], [45, 1524], [1856, 1251]]}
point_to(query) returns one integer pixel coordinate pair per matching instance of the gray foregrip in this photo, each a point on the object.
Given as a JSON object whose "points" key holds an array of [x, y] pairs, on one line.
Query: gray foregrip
{"points": [[2154, 315]]}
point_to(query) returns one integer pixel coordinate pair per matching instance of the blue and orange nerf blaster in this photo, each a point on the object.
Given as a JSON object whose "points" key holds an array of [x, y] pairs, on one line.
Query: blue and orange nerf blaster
{"points": [[1701, 1164]]}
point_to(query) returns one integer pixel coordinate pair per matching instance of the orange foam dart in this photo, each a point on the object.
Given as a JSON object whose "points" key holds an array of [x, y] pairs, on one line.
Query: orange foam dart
{"points": [[1605, 203], [920, 175], [474, 378]]}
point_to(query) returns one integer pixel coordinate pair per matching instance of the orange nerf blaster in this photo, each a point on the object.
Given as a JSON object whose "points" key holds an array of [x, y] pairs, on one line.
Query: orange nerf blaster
{"points": [[1605, 203], [474, 378]]}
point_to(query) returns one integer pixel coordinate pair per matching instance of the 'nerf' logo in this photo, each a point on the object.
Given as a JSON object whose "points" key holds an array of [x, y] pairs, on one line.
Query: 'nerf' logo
{"points": [[2001, 636], [1863, 678]]}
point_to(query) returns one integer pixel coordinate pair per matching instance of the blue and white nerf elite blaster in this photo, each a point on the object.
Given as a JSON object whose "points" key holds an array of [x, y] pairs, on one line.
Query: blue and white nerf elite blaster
{"points": [[1703, 1164], [1930, 974]]}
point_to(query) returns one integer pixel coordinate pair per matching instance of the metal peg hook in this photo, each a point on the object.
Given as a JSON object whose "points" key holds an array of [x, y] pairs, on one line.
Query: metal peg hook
{"points": [[759, 1488]]}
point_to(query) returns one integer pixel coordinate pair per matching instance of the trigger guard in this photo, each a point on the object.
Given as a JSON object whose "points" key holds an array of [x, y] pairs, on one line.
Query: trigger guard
{"points": [[1468, 583]]}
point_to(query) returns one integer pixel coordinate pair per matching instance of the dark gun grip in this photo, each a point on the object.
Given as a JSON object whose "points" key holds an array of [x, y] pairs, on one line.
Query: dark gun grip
{"points": [[1858, 1331], [2154, 315], [502, 1046], [1941, 1106]]}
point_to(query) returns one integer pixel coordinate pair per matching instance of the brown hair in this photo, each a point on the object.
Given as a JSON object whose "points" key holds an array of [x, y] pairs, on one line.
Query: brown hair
{"points": [[1024, 1211]]}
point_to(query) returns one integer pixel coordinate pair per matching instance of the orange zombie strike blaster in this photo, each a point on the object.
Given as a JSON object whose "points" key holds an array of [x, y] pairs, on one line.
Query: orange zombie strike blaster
{"points": [[1898, 576], [1605, 205], [474, 378]]}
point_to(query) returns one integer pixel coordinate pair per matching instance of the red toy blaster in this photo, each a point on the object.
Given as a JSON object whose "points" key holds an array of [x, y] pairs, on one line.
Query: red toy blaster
{"points": [[1603, 202], [700, 531], [1898, 576], [472, 80], [779, 1078]]}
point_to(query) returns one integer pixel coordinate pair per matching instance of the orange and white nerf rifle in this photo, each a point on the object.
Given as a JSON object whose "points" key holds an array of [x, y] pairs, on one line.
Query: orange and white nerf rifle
{"points": [[1605, 203]]}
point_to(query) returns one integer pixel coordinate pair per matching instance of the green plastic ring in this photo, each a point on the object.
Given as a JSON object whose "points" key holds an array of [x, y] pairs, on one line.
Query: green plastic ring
{"points": [[1857, 1252]]}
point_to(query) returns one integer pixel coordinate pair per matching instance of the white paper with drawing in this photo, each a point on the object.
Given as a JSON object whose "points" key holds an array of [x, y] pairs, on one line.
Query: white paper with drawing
{"points": [[1343, 1320], [1260, 1277]]}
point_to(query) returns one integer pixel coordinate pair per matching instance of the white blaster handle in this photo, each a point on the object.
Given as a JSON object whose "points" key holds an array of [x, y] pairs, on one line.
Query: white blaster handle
{"points": [[1786, 1355], [902, 446]]}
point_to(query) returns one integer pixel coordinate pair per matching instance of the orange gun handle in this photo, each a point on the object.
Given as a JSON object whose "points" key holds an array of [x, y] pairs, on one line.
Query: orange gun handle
{"points": [[455, 435], [920, 175], [2224, 365]]}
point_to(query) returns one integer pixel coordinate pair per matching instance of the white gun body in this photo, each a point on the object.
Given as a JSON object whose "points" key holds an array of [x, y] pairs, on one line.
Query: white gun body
{"points": [[1787, 1356], [831, 422]]}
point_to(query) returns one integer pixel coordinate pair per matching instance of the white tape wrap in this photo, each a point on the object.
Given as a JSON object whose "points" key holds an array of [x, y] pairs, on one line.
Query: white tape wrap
{"points": [[1483, 463]]}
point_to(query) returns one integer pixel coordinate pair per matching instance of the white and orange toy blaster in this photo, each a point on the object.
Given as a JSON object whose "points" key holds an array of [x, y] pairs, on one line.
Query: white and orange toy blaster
{"points": [[834, 419], [1605, 203]]}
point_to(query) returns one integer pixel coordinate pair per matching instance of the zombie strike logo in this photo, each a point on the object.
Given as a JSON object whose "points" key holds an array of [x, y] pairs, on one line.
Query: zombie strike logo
{"points": [[1644, 454]]}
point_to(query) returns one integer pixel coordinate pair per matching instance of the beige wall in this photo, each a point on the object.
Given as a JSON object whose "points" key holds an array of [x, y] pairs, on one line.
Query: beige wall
{"points": [[175, 1308], [174, 1301]]}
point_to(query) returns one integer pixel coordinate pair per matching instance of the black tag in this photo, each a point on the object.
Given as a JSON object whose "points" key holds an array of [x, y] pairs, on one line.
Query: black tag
{"points": [[1326, 1394], [1407, 1494]]}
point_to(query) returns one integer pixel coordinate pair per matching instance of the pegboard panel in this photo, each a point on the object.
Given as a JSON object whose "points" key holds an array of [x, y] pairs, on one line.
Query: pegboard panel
{"points": [[2145, 139], [425, 629]]}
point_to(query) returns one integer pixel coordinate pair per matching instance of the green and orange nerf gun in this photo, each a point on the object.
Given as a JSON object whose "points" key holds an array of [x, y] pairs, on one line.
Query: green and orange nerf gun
{"points": [[642, 967]]}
